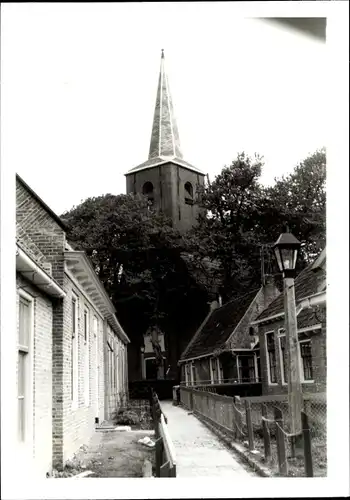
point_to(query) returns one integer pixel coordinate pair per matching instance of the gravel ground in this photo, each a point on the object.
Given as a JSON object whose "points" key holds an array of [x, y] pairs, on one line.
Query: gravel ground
{"points": [[115, 454]]}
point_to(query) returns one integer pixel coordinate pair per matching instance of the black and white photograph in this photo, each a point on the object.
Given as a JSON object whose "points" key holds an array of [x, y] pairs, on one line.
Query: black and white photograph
{"points": [[167, 204]]}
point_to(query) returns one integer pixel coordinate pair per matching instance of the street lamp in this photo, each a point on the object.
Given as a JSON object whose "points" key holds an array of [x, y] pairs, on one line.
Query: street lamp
{"points": [[286, 251]]}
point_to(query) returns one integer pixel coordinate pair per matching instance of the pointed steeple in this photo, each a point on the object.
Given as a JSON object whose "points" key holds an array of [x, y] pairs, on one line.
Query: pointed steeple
{"points": [[165, 141]]}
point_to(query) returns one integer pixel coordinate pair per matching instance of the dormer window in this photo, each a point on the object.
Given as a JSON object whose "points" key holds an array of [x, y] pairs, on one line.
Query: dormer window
{"points": [[188, 193]]}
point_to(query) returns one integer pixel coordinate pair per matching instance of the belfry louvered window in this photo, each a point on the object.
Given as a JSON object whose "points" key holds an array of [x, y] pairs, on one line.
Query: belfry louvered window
{"points": [[188, 193], [147, 190]]}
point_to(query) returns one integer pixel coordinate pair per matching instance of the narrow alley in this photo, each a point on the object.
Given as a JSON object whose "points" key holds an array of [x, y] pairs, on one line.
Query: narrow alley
{"points": [[198, 451]]}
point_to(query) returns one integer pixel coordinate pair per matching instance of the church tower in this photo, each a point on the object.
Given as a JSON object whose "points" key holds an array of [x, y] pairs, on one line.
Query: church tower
{"points": [[166, 178]]}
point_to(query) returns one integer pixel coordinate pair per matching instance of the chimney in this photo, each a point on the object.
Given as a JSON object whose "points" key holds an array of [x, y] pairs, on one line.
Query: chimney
{"points": [[270, 291]]}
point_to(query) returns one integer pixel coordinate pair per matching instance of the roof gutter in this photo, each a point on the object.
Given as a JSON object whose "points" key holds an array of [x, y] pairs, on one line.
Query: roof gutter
{"points": [[312, 300], [110, 313], [268, 318], [306, 303], [36, 275], [196, 357]]}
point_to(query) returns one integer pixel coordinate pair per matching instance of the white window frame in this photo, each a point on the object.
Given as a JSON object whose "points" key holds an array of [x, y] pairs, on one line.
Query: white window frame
{"points": [[111, 368], [86, 355], [116, 365], [268, 358], [220, 369], [27, 443], [95, 326], [75, 354], [186, 373], [212, 377], [281, 334], [192, 369], [302, 379], [256, 367]]}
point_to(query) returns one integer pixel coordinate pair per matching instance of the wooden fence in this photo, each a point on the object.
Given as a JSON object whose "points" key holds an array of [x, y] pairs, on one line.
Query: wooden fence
{"points": [[165, 453], [234, 417]]}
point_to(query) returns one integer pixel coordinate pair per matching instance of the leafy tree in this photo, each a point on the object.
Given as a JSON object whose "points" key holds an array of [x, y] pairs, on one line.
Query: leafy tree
{"points": [[298, 201], [223, 244], [243, 217], [137, 254]]}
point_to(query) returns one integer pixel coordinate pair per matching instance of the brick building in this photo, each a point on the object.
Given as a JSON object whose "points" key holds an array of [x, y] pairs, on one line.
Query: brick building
{"points": [[310, 296], [223, 349], [244, 340], [71, 352]]}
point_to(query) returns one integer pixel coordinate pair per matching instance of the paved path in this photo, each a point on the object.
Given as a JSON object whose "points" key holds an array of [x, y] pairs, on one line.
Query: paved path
{"points": [[198, 451]]}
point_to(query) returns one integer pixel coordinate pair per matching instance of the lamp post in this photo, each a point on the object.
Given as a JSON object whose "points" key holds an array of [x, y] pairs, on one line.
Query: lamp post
{"points": [[142, 349], [286, 251]]}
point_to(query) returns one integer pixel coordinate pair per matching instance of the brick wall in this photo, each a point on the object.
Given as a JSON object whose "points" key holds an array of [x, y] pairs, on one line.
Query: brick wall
{"points": [[45, 233], [62, 426], [169, 194], [319, 361], [74, 424], [116, 389], [241, 338], [42, 374]]}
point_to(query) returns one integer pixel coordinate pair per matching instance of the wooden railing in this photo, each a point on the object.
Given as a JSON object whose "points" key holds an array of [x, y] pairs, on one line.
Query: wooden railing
{"points": [[165, 452], [235, 417]]}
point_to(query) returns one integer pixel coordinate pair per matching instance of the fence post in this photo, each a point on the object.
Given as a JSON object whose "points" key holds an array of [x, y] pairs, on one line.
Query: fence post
{"points": [[281, 443], [266, 433], [234, 422], [307, 445], [237, 400], [248, 415]]}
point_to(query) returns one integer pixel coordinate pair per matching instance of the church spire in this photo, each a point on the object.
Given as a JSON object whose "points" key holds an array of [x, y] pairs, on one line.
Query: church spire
{"points": [[165, 141]]}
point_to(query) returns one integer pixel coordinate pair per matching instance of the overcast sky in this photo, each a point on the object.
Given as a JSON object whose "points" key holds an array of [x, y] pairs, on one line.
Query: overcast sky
{"points": [[80, 83]]}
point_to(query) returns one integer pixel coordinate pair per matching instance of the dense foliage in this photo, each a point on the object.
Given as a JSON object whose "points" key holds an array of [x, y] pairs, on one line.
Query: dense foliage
{"points": [[151, 272], [137, 255], [243, 218]]}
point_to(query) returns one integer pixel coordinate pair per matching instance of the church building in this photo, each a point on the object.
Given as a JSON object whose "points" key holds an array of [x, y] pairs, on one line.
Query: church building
{"points": [[171, 185], [166, 178]]}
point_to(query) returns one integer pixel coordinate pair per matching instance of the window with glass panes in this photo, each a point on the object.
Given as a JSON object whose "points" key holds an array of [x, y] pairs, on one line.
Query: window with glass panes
{"points": [[246, 368], [87, 357], [23, 365], [271, 353], [74, 349], [111, 365], [306, 358]]}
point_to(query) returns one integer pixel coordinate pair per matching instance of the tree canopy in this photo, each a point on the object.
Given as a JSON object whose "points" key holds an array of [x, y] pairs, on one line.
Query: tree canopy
{"points": [[146, 266], [136, 254], [243, 217]]}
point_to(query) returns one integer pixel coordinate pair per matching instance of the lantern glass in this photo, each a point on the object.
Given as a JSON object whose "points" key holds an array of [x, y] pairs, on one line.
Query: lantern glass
{"points": [[288, 256], [279, 259], [286, 252]]}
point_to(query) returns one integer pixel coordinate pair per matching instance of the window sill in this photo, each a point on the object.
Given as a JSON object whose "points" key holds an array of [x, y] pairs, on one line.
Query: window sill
{"points": [[308, 382]]}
